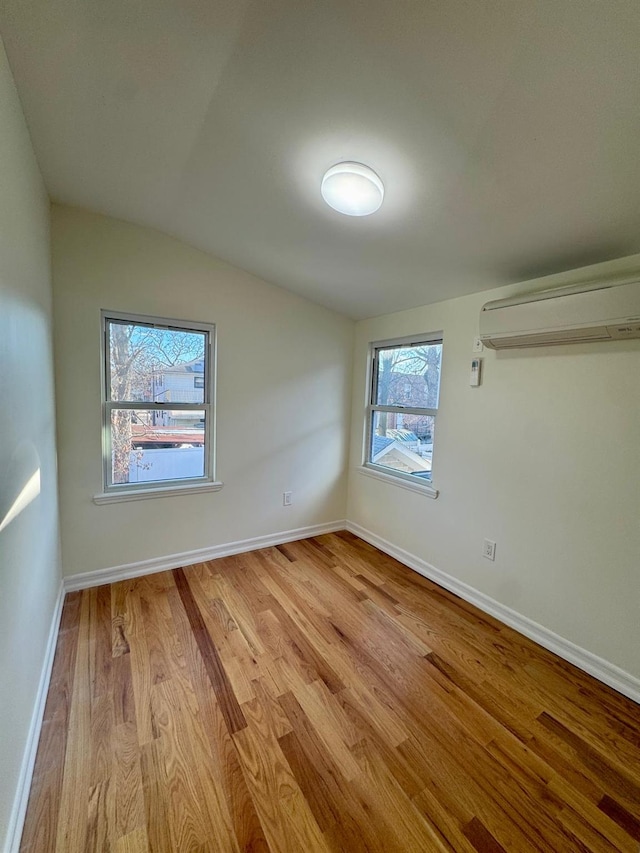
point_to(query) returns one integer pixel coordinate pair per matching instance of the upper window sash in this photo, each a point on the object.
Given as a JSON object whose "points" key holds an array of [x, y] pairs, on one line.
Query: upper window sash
{"points": [[379, 347], [141, 400]]}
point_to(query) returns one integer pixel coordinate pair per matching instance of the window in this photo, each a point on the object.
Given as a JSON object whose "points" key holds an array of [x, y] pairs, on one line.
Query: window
{"points": [[157, 415], [402, 410]]}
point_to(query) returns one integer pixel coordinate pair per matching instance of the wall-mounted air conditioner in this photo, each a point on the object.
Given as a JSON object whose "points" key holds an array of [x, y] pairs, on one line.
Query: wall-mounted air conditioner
{"points": [[593, 311]]}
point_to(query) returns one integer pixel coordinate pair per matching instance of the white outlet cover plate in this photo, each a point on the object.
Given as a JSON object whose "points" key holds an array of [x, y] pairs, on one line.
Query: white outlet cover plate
{"points": [[489, 549]]}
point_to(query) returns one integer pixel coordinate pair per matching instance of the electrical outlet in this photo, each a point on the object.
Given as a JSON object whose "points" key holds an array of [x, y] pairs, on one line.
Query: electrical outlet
{"points": [[286, 498], [489, 549], [478, 346]]}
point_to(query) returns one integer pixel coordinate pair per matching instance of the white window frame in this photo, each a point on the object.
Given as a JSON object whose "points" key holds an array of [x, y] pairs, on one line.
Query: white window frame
{"points": [[113, 492], [381, 472]]}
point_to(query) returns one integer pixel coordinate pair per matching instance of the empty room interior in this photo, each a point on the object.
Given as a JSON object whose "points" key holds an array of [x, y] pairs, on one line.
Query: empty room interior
{"points": [[319, 426]]}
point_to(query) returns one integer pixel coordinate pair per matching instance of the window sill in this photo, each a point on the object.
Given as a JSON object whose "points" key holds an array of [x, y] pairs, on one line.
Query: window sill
{"points": [[421, 488], [161, 492]]}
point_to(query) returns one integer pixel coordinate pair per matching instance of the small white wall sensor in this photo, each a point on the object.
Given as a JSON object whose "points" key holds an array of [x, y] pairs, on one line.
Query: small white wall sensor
{"points": [[476, 370]]}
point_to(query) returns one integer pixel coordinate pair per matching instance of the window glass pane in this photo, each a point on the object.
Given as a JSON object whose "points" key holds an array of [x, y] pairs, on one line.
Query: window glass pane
{"points": [[402, 442], [409, 376], [156, 446], [155, 365]]}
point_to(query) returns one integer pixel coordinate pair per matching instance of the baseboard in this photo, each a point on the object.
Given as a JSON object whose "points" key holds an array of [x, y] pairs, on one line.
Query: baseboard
{"points": [[188, 558], [599, 668], [19, 810]]}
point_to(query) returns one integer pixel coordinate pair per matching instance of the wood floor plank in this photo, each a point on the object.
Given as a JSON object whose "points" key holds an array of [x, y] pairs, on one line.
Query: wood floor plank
{"points": [[481, 838], [617, 777], [100, 817], [135, 842], [155, 793], [73, 825], [245, 597], [331, 739], [462, 794], [119, 639], [319, 696], [445, 822], [198, 815], [225, 764], [621, 816], [579, 811], [102, 694], [127, 776], [141, 680], [221, 628], [124, 708], [42, 816], [402, 771], [339, 811], [219, 679], [398, 821], [285, 814]]}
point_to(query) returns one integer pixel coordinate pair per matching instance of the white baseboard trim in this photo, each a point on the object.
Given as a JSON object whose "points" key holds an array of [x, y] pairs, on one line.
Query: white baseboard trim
{"points": [[188, 558], [599, 668], [19, 810]]}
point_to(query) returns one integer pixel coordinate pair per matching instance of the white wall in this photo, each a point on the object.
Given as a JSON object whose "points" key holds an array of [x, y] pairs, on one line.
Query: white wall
{"points": [[29, 564], [543, 458], [284, 381]]}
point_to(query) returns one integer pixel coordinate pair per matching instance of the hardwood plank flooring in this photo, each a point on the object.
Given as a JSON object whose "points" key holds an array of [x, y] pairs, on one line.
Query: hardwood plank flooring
{"points": [[320, 696]]}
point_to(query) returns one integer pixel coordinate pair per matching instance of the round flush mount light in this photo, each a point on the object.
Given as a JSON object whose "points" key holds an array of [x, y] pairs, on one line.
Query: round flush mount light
{"points": [[352, 189]]}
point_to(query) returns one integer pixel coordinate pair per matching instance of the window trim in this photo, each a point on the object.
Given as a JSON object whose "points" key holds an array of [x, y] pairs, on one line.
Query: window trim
{"points": [[398, 478], [114, 492], [381, 472]]}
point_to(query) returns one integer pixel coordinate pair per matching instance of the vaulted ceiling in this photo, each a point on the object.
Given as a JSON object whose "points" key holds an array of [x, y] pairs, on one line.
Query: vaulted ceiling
{"points": [[506, 132]]}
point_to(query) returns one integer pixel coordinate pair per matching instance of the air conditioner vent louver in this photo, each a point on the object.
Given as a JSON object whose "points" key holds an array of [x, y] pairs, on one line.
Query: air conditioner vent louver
{"points": [[595, 311]]}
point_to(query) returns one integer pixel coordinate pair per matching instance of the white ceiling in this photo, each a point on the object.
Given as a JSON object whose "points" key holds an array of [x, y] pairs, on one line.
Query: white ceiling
{"points": [[506, 132]]}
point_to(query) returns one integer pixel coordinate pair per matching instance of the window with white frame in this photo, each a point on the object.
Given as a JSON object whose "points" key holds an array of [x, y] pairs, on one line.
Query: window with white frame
{"points": [[157, 404], [403, 406]]}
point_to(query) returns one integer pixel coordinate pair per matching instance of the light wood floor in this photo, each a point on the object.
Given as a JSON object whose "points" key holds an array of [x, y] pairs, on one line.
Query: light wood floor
{"points": [[319, 696]]}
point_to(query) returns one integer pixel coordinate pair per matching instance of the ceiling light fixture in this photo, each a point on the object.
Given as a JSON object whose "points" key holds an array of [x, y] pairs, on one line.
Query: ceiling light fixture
{"points": [[352, 189]]}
